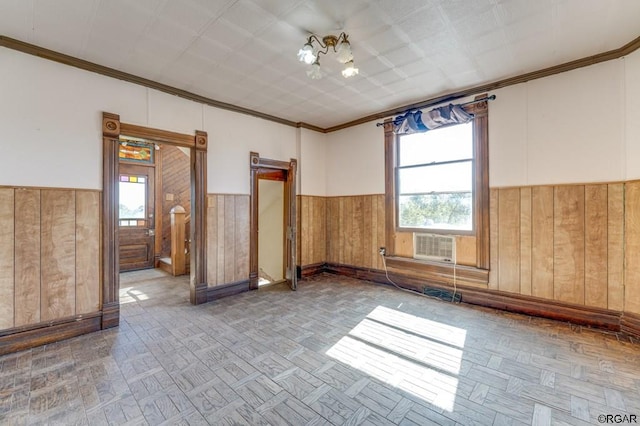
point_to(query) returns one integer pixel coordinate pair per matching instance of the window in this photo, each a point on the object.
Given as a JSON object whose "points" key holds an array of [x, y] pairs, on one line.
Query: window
{"points": [[438, 181], [435, 179], [133, 200]]}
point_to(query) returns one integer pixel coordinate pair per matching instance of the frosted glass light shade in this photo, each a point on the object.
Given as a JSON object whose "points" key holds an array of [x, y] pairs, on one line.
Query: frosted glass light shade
{"points": [[314, 73], [306, 54], [344, 54], [350, 70]]}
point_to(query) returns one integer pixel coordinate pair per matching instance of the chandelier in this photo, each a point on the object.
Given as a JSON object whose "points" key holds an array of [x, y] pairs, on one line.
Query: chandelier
{"points": [[314, 47]]}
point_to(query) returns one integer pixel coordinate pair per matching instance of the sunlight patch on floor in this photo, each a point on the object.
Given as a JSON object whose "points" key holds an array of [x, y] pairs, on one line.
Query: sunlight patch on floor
{"points": [[413, 354], [128, 295]]}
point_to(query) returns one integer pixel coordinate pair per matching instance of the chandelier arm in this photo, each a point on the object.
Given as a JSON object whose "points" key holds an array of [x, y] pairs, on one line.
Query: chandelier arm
{"points": [[323, 52], [315, 37]]}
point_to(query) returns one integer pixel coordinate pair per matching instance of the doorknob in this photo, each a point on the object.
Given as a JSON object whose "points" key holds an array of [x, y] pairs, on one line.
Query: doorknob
{"points": [[151, 232]]}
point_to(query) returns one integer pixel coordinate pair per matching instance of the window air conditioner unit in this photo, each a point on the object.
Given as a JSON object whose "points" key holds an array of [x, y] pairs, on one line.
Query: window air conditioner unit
{"points": [[441, 248]]}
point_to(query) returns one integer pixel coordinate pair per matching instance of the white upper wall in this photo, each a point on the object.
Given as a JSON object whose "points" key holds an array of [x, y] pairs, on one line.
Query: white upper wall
{"points": [[313, 163], [632, 115], [355, 160], [566, 128], [232, 137], [51, 121]]}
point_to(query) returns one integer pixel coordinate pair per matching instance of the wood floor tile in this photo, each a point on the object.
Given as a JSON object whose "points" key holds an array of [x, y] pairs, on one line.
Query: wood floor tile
{"points": [[336, 352]]}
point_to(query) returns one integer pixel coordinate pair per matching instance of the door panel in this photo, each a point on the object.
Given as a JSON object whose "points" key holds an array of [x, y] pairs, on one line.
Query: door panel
{"points": [[290, 226], [136, 217]]}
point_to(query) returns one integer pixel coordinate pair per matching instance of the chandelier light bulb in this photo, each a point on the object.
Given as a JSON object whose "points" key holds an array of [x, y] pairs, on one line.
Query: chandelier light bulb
{"points": [[350, 70], [306, 54]]}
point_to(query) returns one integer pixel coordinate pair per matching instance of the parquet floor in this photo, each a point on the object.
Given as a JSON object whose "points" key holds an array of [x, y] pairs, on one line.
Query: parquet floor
{"points": [[337, 351]]}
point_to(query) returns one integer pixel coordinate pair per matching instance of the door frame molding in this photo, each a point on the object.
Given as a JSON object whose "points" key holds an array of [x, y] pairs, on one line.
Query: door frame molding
{"points": [[112, 128], [257, 166]]}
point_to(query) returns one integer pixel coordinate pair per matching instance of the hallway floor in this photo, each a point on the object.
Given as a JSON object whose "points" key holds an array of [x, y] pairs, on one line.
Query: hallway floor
{"points": [[337, 351]]}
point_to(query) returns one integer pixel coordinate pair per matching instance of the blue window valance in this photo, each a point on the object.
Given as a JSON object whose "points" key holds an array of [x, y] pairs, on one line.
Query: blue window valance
{"points": [[418, 121]]}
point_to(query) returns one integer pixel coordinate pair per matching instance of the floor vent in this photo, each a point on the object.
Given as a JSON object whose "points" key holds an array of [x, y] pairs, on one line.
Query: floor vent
{"points": [[445, 295], [441, 248]]}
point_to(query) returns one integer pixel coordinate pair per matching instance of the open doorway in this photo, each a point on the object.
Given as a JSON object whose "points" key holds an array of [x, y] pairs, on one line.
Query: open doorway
{"points": [[271, 229], [154, 211], [273, 184], [196, 145]]}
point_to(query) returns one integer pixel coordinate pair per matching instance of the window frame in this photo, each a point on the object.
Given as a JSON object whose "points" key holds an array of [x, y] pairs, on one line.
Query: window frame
{"points": [[480, 187], [397, 194]]}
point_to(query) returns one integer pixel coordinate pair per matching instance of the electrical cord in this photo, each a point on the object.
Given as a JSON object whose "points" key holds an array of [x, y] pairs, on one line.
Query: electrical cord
{"points": [[386, 272]]}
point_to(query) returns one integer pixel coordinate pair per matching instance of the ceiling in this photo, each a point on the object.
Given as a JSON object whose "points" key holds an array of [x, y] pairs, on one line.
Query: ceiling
{"points": [[243, 52]]}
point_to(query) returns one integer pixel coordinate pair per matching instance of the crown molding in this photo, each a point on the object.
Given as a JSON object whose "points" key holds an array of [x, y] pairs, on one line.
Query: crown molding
{"points": [[62, 58], [545, 72]]}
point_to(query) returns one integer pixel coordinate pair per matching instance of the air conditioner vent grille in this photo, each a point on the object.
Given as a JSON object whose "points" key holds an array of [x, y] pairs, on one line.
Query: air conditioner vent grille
{"points": [[434, 247]]}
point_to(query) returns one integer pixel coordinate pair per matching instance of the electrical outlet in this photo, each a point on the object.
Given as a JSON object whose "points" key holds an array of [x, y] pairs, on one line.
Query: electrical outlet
{"points": [[383, 251]]}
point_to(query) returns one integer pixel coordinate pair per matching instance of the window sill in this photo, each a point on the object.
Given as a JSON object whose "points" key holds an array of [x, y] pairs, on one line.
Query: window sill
{"points": [[438, 272]]}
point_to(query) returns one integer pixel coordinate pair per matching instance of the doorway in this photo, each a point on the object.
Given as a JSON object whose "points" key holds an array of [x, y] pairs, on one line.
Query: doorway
{"points": [[275, 181], [271, 236], [197, 143]]}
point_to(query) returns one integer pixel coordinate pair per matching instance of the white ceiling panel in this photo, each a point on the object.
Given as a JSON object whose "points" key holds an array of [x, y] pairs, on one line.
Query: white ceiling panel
{"points": [[243, 52]]}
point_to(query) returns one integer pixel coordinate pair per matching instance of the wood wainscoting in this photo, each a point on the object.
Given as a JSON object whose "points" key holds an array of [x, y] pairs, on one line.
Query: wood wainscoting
{"points": [[312, 229], [227, 244], [49, 264], [355, 230], [567, 252], [563, 243]]}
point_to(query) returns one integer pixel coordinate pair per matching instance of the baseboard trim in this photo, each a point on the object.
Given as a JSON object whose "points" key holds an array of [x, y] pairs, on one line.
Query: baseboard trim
{"points": [[311, 270], [110, 315], [528, 305], [630, 324], [220, 291], [26, 337], [199, 294]]}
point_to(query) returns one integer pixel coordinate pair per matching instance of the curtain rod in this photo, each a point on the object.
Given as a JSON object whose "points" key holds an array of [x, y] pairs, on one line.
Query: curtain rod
{"points": [[486, 98]]}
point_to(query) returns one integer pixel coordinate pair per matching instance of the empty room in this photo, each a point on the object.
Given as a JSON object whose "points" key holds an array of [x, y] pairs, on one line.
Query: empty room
{"points": [[322, 212]]}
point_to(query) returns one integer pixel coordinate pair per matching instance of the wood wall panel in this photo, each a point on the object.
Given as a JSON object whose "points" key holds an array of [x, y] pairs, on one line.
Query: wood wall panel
{"points": [[87, 252], [595, 245], [466, 250], [7, 287], [632, 248], [27, 257], [525, 241], [312, 230], [404, 244], [355, 230], [494, 218], [571, 243], [542, 241], [333, 229], [241, 224], [568, 244], [509, 240], [227, 238], [615, 246], [212, 238], [58, 250], [380, 219]]}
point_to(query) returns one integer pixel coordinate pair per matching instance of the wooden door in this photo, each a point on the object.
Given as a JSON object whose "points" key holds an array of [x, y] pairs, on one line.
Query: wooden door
{"points": [[291, 274], [136, 217]]}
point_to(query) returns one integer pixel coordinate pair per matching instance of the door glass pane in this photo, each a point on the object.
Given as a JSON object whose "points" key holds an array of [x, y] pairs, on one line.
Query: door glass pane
{"points": [[133, 198]]}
